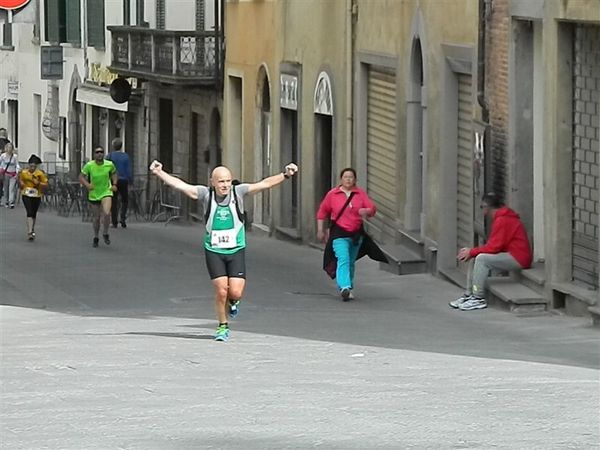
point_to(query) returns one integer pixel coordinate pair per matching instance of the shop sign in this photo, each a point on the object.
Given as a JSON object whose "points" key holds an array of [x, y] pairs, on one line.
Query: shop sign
{"points": [[12, 4], [103, 76], [13, 90], [323, 97], [289, 91]]}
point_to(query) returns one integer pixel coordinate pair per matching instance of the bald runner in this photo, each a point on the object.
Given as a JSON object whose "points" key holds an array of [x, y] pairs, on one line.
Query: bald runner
{"points": [[225, 236]]}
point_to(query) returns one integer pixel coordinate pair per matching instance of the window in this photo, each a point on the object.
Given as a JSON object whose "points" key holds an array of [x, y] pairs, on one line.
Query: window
{"points": [[6, 35], [95, 23], [62, 24]]}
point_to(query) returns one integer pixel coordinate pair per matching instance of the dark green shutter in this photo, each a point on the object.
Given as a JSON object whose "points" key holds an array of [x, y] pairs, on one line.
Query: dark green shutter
{"points": [[95, 23], [160, 14], [200, 13], [52, 21], [73, 22]]}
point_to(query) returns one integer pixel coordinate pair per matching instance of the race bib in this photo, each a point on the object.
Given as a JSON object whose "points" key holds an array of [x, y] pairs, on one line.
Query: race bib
{"points": [[31, 192], [223, 239]]}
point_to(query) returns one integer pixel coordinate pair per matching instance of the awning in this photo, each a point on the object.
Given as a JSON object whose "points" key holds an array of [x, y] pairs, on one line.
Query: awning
{"points": [[98, 96]]}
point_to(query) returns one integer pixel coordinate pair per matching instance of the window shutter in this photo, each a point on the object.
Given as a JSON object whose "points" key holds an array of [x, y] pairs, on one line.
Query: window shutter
{"points": [[126, 12], [160, 14], [95, 23], [52, 21], [73, 22], [200, 11]]}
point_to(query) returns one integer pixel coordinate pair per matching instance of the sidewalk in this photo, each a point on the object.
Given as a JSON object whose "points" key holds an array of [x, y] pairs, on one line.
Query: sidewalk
{"points": [[161, 383]]}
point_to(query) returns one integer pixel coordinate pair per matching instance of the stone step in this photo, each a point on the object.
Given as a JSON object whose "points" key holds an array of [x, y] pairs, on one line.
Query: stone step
{"points": [[534, 278], [454, 275], [595, 313], [514, 296], [411, 240], [288, 234], [402, 261]]}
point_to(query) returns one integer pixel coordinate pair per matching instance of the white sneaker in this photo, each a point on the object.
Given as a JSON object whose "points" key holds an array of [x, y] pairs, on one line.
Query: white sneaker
{"points": [[345, 293], [473, 303], [459, 301]]}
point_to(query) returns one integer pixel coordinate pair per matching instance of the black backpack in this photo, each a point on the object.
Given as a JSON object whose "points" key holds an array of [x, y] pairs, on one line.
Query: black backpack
{"points": [[241, 215]]}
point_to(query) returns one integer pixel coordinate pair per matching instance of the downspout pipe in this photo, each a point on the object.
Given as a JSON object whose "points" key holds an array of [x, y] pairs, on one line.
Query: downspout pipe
{"points": [[481, 97], [220, 25], [351, 17]]}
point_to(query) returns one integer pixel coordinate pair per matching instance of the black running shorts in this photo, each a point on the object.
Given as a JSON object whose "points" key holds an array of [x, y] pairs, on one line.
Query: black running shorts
{"points": [[232, 266]]}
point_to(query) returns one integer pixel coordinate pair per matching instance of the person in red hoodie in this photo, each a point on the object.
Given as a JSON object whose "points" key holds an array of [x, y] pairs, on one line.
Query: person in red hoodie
{"points": [[506, 249]]}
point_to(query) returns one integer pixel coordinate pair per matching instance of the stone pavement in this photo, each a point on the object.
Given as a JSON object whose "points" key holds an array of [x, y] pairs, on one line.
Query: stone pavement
{"points": [[127, 362], [71, 382]]}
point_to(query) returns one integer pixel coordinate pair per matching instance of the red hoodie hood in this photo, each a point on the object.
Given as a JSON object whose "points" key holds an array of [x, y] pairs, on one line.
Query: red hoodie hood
{"points": [[505, 211], [508, 235]]}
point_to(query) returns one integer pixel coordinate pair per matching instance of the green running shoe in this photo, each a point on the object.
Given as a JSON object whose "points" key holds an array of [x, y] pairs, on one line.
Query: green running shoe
{"points": [[222, 333]]}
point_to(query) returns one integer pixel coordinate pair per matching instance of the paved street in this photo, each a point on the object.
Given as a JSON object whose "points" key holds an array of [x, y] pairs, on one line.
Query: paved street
{"points": [[111, 348]]}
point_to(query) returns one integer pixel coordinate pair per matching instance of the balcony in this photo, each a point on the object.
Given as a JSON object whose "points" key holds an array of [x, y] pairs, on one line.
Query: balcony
{"points": [[171, 57]]}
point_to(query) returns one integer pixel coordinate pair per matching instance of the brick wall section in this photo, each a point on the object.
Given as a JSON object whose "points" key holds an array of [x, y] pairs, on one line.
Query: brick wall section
{"points": [[586, 138], [496, 85]]}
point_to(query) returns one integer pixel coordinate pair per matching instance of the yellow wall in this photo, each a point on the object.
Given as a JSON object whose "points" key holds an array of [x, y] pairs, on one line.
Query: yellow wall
{"points": [[314, 36], [385, 27], [251, 39]]}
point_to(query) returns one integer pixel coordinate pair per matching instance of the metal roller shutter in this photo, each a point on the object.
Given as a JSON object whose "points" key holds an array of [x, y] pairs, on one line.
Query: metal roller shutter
{"points": [[381, 149], [464, 213], [586, 134]]}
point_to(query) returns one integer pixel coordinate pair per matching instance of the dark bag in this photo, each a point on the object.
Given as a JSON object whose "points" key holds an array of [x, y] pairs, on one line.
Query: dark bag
{"points": [[367, 247]]}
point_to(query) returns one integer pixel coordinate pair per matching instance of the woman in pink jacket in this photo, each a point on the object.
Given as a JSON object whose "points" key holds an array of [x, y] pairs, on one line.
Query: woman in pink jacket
{"points": [[346, 206]]}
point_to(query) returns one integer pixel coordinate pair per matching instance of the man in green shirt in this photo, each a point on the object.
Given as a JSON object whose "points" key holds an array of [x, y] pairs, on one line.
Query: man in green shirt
{"points": [[225, 238], [99, 176]]}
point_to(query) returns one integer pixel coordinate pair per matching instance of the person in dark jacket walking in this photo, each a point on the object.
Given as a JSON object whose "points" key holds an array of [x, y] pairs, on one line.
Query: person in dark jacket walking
{"points": [[507, 249], [121, 198]]}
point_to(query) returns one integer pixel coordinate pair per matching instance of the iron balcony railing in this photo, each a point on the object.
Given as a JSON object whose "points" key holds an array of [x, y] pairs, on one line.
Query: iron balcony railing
{"points": [[168, 56]]}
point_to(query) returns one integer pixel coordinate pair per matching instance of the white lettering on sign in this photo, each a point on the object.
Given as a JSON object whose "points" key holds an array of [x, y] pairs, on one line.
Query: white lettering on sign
{"points": [[13, 90]]}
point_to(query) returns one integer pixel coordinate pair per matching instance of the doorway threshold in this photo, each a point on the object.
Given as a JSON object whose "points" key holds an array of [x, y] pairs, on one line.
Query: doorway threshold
{"points": [[292, 234]]}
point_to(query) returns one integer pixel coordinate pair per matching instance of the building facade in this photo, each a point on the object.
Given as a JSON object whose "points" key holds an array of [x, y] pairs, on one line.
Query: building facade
{"points": [[171, 56], [543, 86], [287, 100]]}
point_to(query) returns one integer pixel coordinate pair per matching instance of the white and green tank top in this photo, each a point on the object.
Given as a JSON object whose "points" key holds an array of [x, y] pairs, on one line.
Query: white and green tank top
{"points": [[225, 231]]}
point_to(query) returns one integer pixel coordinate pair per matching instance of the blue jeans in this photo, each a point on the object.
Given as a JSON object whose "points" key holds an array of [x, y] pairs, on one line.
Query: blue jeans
{"points": [[346, 253]]}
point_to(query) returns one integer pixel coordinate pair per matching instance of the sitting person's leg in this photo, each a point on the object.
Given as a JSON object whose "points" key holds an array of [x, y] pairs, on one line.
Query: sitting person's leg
{"points": [[469, 287], [486, 262]]}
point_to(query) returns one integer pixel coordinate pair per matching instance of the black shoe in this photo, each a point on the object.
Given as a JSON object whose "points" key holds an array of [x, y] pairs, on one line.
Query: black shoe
{"points": [[114, 225], [95, 243], [123, 224], [106, 239]]}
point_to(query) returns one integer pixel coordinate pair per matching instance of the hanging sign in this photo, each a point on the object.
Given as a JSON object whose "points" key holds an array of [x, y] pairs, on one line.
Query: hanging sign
{"points": [[12, 4], [289, 91]]}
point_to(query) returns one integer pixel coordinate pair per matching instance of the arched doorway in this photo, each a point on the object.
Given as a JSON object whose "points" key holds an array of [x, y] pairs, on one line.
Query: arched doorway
{"points": [[264, 161], [323, 108], [415, 134], [76, 121]]}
